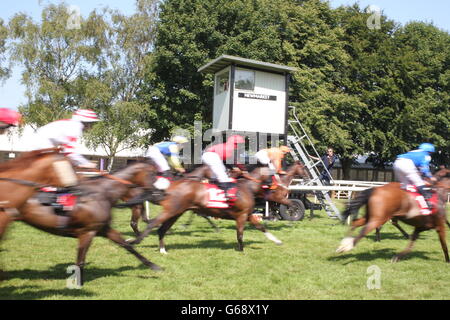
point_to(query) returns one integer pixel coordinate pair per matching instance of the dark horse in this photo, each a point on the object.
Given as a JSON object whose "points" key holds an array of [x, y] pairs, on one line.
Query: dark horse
{"points": [[91, 215], [391, 202], [22, 177], [187, 194], [138, 211], [191, 195]]}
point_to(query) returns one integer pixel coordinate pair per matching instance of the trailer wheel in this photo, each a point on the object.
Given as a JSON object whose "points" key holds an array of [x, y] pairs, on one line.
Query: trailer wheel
{"points": [[295, 212]]}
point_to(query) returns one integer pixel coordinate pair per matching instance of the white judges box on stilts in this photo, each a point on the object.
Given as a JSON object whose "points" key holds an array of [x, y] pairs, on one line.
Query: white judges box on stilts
{"points": [[249, 95]]}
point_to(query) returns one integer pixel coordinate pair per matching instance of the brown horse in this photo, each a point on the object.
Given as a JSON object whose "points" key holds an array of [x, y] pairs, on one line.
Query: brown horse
{"points": [[191, 195], [91, 216], [138, 211], [281, 192], [391, 202], [22, 177]]}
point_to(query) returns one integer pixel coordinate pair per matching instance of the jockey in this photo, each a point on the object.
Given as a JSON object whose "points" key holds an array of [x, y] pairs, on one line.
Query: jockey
{"points": [[66, 133], [215, 157], [170, 150], [272, 158], [409, 168], [8, 118]]}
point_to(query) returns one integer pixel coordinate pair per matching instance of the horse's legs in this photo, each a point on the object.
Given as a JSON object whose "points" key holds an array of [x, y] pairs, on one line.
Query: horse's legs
{"points": [[116, 237], [190, 219], [211, 223], [84, 242], [144, 215], [5, 220], [160, 219], [349, 243], [408, 249], [240, 225], [162, 231], [441, 232], [377, 234], [395, 223], [261, 228], [136, 213]]}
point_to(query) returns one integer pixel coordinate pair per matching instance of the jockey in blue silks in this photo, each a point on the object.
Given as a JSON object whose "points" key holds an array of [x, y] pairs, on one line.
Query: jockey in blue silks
{"points": [[411, 166], [170, 150]]}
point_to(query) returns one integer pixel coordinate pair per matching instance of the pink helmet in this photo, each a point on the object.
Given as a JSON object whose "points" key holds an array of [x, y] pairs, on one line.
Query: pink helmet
{"points": [[85, 115], [236, 139], [10, 117]]}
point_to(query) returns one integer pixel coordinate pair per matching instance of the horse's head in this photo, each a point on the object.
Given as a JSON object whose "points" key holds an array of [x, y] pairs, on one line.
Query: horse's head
{"points": [[299, 169], [142, 174]]}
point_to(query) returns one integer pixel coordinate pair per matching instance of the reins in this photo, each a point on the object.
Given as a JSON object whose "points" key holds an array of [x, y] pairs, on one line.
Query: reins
{"points": [[25, 183]]}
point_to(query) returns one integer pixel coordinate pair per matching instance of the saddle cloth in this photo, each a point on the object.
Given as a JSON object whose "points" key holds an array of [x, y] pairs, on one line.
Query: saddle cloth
{"points": [[215, 196], [424, 209], [61, 202]]}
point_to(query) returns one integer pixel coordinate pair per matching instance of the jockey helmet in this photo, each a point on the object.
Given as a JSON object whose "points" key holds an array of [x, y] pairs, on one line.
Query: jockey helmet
{"points": [[10, 117], [236, 139], [285, 149], [85, 115], [180, 139], [427, 147]]}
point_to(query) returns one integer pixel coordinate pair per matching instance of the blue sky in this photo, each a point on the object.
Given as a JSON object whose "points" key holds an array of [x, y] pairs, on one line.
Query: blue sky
{"points": [[403, 11]]}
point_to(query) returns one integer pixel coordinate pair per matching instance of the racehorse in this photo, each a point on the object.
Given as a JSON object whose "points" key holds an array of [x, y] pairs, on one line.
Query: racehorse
{"points": [[392, 202], [91, 216], [280, 192], [186, 195], [137, 210], [22, 177]]}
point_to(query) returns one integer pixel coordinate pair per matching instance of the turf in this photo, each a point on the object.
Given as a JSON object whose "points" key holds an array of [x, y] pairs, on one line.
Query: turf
{"points": [[204, 265]]}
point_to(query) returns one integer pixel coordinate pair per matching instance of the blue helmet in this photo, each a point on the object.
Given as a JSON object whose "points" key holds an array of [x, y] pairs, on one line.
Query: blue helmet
{"points": [[428, 147]]}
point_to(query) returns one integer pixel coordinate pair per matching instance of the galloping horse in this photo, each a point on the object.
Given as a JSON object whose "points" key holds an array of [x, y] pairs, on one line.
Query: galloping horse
{"points": [[191, 195], [91, 215], [137, 210], [22, 177], [187, 194], [392, 202], [280, 193]]}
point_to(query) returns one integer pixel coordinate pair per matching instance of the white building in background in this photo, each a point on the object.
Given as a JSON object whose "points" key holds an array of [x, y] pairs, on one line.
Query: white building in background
{"points": [[21, 140]]}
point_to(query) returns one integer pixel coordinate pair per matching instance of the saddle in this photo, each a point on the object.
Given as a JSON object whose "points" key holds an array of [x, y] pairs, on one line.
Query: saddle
{"points": [[424, 208], [216, 197], [62, 200]]}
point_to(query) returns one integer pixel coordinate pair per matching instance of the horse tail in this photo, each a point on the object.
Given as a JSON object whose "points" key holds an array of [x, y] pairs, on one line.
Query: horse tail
{"points": [[353, 206]]}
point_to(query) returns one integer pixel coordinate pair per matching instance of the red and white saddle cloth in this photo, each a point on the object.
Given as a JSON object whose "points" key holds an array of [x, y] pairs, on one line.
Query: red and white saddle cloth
{"points": [[66, 200], [215, 196], [424, 209]]}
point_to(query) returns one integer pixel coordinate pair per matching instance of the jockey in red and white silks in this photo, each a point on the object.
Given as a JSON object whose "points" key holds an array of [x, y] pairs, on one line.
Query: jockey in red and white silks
{"points": [[8, 118], [67, 133], [215, 156]]}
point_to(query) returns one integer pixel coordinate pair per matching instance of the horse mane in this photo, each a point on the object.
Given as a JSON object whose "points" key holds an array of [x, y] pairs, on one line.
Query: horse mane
{"points": [[26, 159]]}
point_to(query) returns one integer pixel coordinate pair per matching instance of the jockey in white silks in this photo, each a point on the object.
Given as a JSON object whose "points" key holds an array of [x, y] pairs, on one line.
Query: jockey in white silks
{"points": [[67, 134]]}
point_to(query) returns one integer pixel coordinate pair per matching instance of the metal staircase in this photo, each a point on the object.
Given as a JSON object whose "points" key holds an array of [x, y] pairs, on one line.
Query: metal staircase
{"points": [[300, 143]]}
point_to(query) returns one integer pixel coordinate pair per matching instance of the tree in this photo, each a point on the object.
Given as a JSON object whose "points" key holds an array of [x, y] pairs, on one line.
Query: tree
{"points": [[98, 65]]}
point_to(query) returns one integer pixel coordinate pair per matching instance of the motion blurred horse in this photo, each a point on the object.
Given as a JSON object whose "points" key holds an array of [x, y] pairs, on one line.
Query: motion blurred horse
{"points": [[138, 211], [91, 215], [191, 195], [22, 177], [392, 202]]}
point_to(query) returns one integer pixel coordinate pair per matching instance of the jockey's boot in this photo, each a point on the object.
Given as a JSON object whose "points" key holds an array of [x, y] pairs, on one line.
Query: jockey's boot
{"points": [[225, 186], [427, 194]]}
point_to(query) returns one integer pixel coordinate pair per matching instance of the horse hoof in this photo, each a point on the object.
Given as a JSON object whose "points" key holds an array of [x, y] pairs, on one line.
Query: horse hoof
{"points": [[163, 251], [156, 268], [395, 259], [346, 245]]}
